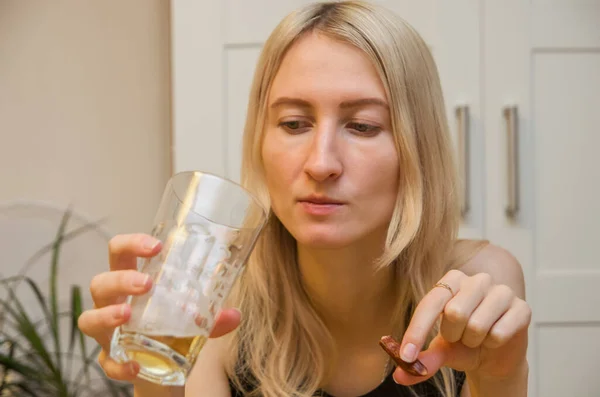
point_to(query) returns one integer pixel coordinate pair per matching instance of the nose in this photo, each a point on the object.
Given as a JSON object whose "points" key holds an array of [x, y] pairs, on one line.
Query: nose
{"points": [[323, 161]]}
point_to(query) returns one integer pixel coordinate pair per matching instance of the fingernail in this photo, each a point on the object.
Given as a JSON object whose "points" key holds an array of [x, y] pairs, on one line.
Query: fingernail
{"points": [[123, 311], [133, 368], [141, 280], [150, 244], [409, 353], [392, 348]]}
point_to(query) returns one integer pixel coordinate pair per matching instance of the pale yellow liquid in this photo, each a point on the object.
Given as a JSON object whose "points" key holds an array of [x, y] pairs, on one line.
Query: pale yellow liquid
{"points": [[157, 364]]}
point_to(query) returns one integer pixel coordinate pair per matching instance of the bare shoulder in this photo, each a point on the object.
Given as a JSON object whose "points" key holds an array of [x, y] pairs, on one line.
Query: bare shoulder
{"points": [[500, 264], [207, 377]]}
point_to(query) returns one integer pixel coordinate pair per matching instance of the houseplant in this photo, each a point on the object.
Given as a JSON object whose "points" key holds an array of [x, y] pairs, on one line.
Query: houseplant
{"points": [[46, 354]]}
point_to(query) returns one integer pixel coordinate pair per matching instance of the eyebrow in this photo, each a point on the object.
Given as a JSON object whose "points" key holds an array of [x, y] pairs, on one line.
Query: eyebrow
{"points": [[282, 101]]}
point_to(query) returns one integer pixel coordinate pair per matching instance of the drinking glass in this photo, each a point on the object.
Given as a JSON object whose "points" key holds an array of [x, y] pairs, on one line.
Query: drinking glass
{"points": [[208, 226]]}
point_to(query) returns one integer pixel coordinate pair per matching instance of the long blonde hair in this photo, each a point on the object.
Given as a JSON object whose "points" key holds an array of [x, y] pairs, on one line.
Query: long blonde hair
{"points": [[280, 349]]}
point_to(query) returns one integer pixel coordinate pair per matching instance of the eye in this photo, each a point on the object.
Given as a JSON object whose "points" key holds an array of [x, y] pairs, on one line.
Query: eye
{"points": [[294, 126], [364, 129]]}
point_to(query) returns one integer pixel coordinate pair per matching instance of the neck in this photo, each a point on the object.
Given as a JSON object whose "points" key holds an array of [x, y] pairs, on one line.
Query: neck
{"points": [[354, 300]]}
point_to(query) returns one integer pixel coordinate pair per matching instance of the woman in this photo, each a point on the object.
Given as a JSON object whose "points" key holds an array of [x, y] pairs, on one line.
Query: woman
{"points": [[346, 140]]}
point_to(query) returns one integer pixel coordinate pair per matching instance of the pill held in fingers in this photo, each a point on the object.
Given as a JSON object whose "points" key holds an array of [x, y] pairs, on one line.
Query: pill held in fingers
{"points": [[392, 348]]}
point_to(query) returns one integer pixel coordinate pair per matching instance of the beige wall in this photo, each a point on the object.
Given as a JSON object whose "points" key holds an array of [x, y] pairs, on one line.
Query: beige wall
{"points": [[84, 113]]}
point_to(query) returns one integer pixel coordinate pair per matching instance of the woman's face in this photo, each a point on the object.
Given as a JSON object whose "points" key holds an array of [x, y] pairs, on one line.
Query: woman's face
{"points": [[329, 155]]}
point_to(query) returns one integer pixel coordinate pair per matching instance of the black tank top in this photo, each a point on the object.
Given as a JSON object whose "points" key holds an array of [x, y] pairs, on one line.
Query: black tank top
{"points": [[389, 388]]}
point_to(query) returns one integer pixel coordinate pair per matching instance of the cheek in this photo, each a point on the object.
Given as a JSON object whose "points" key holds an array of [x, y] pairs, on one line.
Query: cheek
{"points": [[390, 175], [271, 153], [382, 180], [378, 164], [277, 166]]}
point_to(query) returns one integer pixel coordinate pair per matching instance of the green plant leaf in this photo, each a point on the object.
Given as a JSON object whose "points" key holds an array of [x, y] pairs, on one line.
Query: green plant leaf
{"points": [[28, 331], [66, 237], [10, 280], [89, 361], [54, 285], [40, 298], [6, 371], [35, 354], [22, 387], [13, 364], [6, 323], [76, 311], [14, 344]]}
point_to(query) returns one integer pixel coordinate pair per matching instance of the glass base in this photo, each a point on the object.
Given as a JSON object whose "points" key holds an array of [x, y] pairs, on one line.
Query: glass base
{"points": [[163, 360]]}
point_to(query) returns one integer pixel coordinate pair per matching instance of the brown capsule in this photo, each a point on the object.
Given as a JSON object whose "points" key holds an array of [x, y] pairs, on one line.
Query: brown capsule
{"points": [[392, 348]]}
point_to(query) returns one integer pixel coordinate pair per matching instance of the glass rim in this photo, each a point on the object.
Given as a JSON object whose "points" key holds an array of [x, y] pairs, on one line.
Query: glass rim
{"points": [[253, 197]]}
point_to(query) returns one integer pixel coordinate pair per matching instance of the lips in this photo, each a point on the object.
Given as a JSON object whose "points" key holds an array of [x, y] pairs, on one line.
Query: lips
{"points": [[322, 200], [320, 205]]}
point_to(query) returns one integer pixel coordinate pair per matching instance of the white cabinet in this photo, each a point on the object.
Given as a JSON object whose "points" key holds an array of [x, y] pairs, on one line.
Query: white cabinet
{"points": [[543, 59], [529, 69]]}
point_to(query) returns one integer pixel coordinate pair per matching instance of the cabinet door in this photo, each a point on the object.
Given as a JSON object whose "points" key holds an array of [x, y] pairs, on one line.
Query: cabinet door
{"points": [[456, 46], [542, 79], [216, 45]]}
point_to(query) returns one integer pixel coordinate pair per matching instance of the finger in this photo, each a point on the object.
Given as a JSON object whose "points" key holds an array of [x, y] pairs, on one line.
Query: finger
{"points": [[124, 249], [459, 309], [392, 348], [515, 320], [227, 320], [493, 307], [433, 359], [125, 372], [106, 288], [100, 323], [426, 314], [440, 353]]}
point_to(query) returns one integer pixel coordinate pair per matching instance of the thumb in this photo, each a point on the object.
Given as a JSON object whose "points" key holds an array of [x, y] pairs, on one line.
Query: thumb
{"points": [[227, 320]]}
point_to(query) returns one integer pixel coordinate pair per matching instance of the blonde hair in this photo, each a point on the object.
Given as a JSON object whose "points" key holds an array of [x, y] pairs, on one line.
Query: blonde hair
{"points": [[280, 349]]}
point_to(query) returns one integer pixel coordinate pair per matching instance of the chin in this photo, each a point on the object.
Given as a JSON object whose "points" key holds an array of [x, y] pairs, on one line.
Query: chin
{"points": [[323, 239], [324, 244]]}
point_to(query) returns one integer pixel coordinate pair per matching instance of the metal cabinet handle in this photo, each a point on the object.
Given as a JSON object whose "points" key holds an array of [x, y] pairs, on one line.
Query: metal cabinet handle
{"points": [[462, 119], [511, 116]]}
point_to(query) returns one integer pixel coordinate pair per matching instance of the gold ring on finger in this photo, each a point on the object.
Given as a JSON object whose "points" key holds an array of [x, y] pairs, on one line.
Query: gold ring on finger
{"points": [[444, 285]]}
